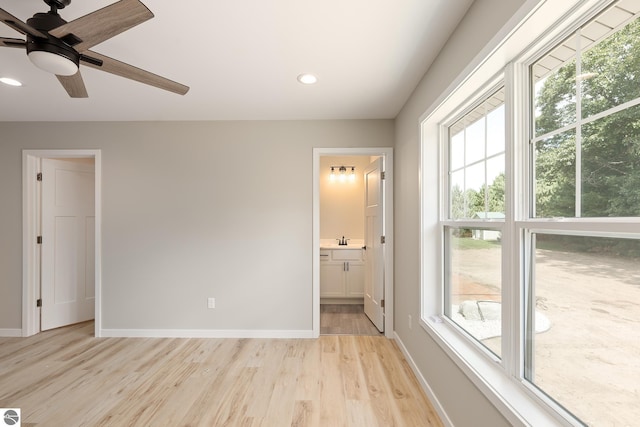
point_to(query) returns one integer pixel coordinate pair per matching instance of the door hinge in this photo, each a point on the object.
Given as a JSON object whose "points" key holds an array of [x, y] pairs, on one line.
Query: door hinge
{"points": [[39, 302], [39, 240], [381, 303], [383, 175], [39, 176], [382, 239]]}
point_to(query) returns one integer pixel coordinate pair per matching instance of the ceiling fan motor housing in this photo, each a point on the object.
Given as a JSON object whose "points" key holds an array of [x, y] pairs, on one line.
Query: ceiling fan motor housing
{"points": [[46, 22], [58, 4]]}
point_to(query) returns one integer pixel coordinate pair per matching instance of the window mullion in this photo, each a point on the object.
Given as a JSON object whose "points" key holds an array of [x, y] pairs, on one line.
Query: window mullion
{"points": [[486, 175], [578, 165]]}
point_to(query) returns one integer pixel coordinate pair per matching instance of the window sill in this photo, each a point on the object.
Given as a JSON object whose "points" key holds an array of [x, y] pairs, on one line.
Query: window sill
{"points": [[508, 395]]}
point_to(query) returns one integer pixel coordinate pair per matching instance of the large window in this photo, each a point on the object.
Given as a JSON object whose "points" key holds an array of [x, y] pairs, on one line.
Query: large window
{"points": [[475, 219], [539, 222], [583, 286]]}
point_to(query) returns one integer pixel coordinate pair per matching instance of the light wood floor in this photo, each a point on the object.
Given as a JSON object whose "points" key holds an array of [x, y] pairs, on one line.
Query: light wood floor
{"points": [[66, 377], [345, 319]]}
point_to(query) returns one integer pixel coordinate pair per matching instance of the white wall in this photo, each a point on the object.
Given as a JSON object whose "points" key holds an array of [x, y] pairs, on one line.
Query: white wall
{"points": [[190, 210], [461, 400]]}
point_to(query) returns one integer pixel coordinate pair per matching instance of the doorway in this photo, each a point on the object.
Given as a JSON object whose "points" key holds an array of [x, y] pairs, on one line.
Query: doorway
{"points": [[85, 163], [346, 272]]}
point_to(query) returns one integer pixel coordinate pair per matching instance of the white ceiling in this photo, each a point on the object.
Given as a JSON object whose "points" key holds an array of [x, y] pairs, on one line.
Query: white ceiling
{"points": [[241, 59]]}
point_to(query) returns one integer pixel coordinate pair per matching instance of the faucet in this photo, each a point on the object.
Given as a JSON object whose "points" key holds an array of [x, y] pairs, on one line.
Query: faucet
{"points": [[343, 241]]}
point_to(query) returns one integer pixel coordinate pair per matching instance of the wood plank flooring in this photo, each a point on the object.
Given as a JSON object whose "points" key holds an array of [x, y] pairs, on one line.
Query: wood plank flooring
{"points": [[66, 377], [345, 319]]}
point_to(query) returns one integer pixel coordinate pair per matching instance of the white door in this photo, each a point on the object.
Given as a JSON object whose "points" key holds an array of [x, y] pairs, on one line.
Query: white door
{"points": [[68, 235], [374, 248]]}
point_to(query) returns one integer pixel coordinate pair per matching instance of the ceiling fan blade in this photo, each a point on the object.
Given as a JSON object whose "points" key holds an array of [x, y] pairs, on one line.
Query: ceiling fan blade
{"points": [[121, 69], [7, 42], [74, 85], [104, 23], [20, 26]]}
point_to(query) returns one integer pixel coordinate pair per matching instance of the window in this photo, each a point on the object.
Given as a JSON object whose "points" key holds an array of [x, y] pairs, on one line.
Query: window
{"points": [[586, 120], [583, 287], [476, 195], [583, 338], [476, 153], [538, 227]]}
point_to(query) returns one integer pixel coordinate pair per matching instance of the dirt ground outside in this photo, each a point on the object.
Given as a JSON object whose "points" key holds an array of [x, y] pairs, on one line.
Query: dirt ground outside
{"points": [[589, 358]]}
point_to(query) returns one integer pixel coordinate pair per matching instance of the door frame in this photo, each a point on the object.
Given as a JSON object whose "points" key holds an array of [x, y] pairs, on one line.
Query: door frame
{"points": [[387, 154], [31, 207]]}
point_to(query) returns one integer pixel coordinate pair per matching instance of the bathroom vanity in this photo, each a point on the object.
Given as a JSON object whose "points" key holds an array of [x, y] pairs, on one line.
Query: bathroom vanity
{"points": [[342, 271]]}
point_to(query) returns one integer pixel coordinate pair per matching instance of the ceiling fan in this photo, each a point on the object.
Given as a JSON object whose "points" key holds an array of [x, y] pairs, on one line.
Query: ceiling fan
{"points": [[59, 47]]}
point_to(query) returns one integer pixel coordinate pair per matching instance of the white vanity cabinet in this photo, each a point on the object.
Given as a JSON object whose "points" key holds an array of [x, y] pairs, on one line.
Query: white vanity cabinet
{"points": [[341, 273]]}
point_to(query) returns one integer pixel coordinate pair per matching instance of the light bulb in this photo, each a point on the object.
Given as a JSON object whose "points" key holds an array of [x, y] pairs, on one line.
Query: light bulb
{"points": [[343, 176]]}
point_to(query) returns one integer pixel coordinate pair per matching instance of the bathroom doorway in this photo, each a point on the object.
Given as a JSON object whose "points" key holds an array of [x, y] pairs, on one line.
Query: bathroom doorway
{"points": [[343, 253]]}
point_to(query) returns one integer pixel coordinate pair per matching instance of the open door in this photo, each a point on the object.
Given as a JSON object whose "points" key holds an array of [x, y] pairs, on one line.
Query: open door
{"points": [[374, 243], [68, 242]]}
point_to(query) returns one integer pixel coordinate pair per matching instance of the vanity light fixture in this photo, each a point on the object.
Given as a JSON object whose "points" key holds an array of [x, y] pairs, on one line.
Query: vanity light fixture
{"points": [[342, 173]]}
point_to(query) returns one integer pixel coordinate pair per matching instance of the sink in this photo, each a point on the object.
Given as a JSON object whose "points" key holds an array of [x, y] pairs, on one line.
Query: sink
{"points": [[337, 246]]}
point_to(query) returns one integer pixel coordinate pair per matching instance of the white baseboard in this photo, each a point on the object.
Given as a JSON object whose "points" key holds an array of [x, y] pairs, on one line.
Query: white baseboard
{"points": [[10, 333], [423, 383], [204, 333]]}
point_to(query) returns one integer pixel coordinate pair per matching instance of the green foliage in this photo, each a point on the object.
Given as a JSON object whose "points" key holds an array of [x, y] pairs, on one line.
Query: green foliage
{"points": [[625, 248], [467, 204], [610, 146]]}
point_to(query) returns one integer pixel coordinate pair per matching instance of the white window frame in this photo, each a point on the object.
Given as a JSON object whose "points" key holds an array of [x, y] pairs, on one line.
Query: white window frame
{"points": [[445, 209], [508, 54]]}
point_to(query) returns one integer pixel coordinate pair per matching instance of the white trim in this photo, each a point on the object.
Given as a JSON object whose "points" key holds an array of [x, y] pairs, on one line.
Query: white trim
{"points": [[387, 154], [444, 417], [507, 395], [30, 228], [206, 333], [30, 254], [615, 227], [10, 333]]}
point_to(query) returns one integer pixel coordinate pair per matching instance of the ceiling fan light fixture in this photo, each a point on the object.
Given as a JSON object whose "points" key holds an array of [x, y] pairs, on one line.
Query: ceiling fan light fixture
{"points": [[53, 63]]}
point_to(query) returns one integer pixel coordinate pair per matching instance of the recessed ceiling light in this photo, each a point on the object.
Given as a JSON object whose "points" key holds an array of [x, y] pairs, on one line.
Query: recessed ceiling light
{"points": [[10, 82], [307, 79]]}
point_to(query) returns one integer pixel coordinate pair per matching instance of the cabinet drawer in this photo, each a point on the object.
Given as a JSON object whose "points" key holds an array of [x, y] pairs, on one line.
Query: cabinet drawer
{"points": [[347, 254], [325, 255]]}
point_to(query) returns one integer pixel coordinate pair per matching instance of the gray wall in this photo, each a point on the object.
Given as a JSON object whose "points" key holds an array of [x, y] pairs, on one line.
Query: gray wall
{"points": [[190, 210], [463, 402]]}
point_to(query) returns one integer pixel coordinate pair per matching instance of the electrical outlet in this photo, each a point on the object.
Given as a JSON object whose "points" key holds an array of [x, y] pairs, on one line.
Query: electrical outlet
{"points": [[211, 302], [410, 322]]}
